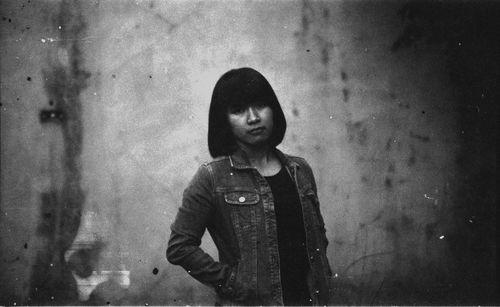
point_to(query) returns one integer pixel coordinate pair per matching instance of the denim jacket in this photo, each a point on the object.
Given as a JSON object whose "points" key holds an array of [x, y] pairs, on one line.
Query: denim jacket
{"points": [[234, 202]]}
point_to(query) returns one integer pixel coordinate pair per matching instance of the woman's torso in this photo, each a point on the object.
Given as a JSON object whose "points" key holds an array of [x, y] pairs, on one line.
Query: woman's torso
{"points": [[245, 229]]}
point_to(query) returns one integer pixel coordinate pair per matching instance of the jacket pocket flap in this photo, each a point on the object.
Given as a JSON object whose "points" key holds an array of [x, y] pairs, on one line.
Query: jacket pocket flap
{"points": [[241, 198]]}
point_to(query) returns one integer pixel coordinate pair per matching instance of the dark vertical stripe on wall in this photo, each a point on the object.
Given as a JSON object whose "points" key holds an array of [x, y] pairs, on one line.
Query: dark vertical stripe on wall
{"points": [[52, 282]]}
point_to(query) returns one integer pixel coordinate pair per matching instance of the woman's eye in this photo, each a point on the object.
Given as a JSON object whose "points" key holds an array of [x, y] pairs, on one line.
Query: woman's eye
{"points": [[237, 110]]}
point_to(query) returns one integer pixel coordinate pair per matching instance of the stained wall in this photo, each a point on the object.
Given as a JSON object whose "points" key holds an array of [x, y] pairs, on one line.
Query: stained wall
{"points": [[104, 120]]}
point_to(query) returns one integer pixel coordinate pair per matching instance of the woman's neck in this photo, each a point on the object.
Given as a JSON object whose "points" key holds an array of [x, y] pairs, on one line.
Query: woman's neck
{"points": [[262, 158]]}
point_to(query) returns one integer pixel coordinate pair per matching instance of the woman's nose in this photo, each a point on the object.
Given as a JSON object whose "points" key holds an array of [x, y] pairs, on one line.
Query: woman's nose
{"points": [[253, 115]]}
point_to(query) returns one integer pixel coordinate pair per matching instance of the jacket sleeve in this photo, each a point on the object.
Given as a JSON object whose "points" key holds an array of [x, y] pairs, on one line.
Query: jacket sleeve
{"points": [[320, 216], [188, 228], [317, 205]]}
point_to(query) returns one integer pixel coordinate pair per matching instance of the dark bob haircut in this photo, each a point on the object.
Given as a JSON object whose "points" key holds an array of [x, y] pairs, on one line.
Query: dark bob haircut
{"points": [[240, 88]]}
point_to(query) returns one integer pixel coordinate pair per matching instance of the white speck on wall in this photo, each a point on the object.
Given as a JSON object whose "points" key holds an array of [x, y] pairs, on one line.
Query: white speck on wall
{"points": [[48, 39], [435, 200]]}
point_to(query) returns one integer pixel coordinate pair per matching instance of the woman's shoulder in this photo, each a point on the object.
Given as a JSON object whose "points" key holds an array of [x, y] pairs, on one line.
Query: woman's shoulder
{"points": [[295, 159], [217, 163], [208, 170], [216, 160]]}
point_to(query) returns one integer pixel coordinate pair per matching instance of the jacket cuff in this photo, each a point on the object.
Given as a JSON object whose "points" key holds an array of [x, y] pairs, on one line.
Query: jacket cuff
{"points": [[226, 288]]}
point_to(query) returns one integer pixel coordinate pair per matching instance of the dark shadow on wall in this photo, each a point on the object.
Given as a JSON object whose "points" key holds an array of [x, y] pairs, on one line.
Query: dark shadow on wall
{"points": [[468, 32], [52, 282]]}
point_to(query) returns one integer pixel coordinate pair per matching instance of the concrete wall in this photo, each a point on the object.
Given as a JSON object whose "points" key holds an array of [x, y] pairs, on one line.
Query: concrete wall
{"points": [[104, 120]]}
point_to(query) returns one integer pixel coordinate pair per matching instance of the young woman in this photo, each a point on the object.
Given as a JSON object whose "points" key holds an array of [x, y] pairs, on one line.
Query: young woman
{"points": [[259, 205]]}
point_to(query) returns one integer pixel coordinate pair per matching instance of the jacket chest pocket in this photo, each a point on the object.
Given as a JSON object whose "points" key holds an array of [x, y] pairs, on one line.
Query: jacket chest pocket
{"points": [[241, 198], [243, 207]]}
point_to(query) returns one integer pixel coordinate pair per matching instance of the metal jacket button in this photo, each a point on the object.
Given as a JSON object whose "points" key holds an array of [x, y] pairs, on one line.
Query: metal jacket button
{"points": [[241, 199]]}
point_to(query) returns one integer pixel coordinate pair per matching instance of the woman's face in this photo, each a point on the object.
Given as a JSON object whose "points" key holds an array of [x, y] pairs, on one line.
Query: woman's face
{"points": [[251, 125]]}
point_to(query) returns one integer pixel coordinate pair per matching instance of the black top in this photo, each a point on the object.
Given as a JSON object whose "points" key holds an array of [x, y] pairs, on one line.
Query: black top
{"points": [[294, 264]]}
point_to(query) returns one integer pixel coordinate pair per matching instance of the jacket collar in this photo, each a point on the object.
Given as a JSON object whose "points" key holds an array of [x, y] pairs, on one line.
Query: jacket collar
{"points": [[239, 160]]}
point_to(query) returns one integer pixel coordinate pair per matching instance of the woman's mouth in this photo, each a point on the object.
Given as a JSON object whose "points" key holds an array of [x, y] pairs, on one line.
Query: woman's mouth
{"points": [[256, 131]]}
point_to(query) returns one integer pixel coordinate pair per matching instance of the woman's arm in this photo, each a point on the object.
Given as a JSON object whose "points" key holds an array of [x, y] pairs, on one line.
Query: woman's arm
{"points": [[188, 228], [317, 205]]}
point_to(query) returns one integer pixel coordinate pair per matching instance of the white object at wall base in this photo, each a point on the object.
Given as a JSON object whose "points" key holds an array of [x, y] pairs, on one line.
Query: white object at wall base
{"points": [[88, 284]]}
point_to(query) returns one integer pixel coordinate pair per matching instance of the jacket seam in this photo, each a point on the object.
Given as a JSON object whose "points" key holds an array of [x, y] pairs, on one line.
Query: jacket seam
{"points": [[212, 180]]}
